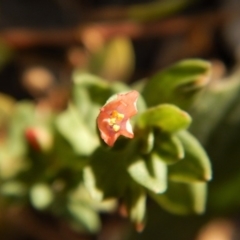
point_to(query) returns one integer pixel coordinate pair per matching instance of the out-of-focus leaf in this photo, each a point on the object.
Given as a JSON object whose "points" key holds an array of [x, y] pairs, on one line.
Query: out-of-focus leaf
{"points": [[166, 117], [41, 196], [81, 194], [139, 85], [107, 172], [96, 88], [24, 115], [115, 60], [183, 198], [118, 87], [168, 147], [73, 128], [195, 166], [147, 141], [224, 195], [91, 184], [221, 138], [85, 215], [155, 10], [135, 200], [6, 53], [223, 93], [65, 156], [177, 84], [89, 94], [10, 163], [150, 173], [13, 188], [7, 105]]}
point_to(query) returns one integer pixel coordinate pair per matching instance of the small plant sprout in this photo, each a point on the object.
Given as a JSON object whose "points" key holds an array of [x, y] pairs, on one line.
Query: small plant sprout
{"points": [[113, 119]]}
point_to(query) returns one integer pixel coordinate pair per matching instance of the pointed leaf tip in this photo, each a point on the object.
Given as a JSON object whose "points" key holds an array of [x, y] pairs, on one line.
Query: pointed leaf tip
{"points": [[150, 173], [178, 84], [195, 166], [183, 198]]}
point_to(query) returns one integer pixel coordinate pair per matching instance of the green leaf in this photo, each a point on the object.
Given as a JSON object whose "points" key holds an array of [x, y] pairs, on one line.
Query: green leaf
{"points": [[96, 89], [195, 166], [13, 188], [139, 85], [84, 106], [183, 198], [89, 94], [85, 215], [224, 93], [73, 128], [23, 117], [115, 60], [81, 194], [177, 84], [168, 147], [11, 164], [64, 156], [6, 53], [155, 10], [7, 105], [90, 182], [166, 117], [146, 141], [135, 200], [107, 173], [137, 212], [41, 196], [150, 173]]}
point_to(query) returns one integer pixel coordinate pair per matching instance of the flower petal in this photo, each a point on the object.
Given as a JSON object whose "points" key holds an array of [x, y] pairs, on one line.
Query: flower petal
{"points": [[127, 130], [113, 119]]}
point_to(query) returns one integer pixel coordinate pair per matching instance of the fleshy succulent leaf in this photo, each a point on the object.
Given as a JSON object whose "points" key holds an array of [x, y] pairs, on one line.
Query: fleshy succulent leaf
{"points": [[177, 84], [41, 196], [150, 173], [195, 166], [168, 147], [85, 216], [166, 117], [183, 198], [107, 173], [70, 124], [135, 204]]}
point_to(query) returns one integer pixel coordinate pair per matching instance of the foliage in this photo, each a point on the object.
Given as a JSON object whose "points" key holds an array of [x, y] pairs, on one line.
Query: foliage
{"points": [[56, 161], [220, 135]]}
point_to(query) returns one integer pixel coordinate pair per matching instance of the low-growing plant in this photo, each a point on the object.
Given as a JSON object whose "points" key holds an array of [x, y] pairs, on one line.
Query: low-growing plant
{"points": [[57, 162]]}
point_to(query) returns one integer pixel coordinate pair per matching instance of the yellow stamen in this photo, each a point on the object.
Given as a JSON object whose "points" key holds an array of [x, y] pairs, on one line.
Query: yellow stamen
{"points": [[115, 117], [118, 116], [112, 121], [116, 127]]}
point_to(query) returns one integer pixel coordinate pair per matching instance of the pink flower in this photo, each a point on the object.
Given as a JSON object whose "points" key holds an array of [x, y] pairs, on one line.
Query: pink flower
{"points": [[113, 119]]}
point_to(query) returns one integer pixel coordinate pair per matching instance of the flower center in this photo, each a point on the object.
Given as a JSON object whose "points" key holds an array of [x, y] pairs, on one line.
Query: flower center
{"points": [[115, 118]]}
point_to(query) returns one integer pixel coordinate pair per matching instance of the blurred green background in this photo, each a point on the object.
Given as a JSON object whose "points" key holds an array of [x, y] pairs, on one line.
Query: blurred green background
{"points": [[44, 47]]}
